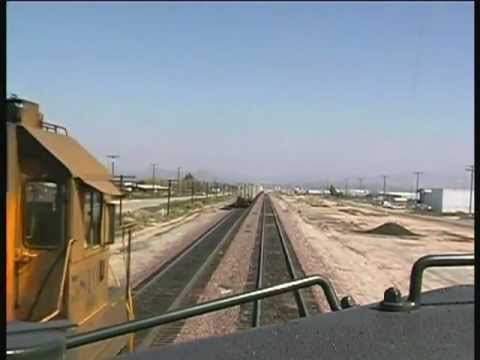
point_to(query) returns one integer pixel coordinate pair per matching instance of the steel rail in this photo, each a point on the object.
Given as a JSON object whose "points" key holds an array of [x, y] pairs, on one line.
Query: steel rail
{"points": [[257, 305], [302, 308], [189, 286], [204, 308], [138, 289]]}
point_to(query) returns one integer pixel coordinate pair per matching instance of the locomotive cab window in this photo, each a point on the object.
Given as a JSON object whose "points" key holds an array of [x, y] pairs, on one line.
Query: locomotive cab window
{"points": [[92, 216], [44, 214]]}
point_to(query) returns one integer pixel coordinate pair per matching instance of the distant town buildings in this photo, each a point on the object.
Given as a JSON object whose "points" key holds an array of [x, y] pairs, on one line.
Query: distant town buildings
{"points": [[447, 200]]}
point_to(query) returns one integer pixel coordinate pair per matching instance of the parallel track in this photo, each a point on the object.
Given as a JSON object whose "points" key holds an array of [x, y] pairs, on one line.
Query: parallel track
{"points": [[179, 282]]}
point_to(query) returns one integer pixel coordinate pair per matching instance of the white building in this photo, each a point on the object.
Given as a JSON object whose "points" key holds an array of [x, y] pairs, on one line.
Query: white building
{"points": [[147, 187], [447, 200], [317, 192], [399, 194], [358, 192]]}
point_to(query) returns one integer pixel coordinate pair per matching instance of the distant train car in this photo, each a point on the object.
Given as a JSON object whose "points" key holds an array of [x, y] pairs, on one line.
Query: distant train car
{"points": [[60, 223]]}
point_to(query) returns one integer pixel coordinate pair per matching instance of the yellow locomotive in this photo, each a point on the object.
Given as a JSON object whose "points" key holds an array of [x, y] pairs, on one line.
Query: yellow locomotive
{"points": [[60, 222]]}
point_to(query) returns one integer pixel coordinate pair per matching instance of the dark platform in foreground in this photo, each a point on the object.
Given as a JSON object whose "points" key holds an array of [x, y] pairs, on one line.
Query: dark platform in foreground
{"points": [[442, 328]]}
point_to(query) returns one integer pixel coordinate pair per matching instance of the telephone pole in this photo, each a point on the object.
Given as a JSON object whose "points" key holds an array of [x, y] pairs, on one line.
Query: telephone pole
{"points": [[169, 194], [178, 180], [471, 169], [113, 157], [153, 177], [346, 186], [384, 185], [360, 182], [418, 173], [193, 190]]}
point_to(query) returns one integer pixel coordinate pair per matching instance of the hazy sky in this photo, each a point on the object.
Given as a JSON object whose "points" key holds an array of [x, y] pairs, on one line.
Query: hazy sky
{"points": [[273, 91]]}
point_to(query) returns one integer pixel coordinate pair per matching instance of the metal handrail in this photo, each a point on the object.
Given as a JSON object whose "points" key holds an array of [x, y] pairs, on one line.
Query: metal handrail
{"points": [[204, 308], [62, 284], [393, 298], [447, 260], [54, 127]]}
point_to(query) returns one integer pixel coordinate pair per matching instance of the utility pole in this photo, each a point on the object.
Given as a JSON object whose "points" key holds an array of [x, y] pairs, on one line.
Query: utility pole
{"points": [[169, 194], [113, 157], [121, 198], [216, 189], [346, 186], [360, 182], [193, 190], [206, 189], [178, 180], [153, 177], [121, 178], [418, 173], [384, 185], [471, 169]]}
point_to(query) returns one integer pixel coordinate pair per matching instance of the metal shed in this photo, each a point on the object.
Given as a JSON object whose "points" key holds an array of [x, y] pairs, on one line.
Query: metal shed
{"points": [[447, 200]]}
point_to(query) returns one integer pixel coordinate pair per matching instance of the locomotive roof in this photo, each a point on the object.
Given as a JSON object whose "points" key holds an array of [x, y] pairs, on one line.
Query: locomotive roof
{"points": [[442, 328], [78, 161]]}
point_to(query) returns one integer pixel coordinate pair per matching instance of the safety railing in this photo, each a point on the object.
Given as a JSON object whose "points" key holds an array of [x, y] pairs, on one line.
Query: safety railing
{"points": [[128, 229], [392, 302], [204, 308], [62, 283], [393, 298], [54, 127]]}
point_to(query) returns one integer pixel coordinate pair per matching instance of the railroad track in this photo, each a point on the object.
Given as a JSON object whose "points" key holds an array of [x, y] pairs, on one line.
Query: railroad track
{"points": [[275, 262], [179, 282]]}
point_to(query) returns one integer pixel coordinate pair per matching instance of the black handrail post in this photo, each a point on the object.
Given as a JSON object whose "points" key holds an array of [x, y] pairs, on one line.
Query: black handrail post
{"points": [[392, 299], [416, 275]]}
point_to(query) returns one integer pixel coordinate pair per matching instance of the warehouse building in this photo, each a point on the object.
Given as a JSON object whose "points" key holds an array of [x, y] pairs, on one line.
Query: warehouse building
{"points": [[447, 200]]}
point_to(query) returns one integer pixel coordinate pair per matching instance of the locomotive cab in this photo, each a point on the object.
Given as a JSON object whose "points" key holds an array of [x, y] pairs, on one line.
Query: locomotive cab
{"points": [[60, 222]]}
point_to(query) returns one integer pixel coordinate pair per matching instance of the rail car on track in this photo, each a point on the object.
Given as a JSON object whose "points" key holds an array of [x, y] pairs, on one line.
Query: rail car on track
{"points": [[60, 223]]}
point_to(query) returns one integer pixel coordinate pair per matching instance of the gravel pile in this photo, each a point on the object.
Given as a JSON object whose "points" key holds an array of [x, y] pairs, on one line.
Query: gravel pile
{"points": [[391, 228]]}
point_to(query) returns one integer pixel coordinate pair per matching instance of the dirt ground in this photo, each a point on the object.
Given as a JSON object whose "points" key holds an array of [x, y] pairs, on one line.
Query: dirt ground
{"points": [[331, 239]]}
